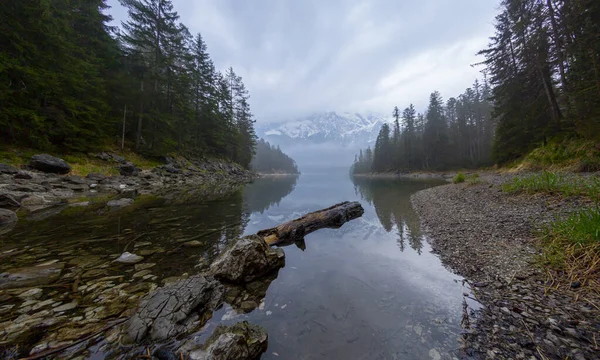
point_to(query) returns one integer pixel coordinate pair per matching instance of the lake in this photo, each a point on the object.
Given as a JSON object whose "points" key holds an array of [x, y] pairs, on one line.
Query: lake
{"points": [[371, 289]]}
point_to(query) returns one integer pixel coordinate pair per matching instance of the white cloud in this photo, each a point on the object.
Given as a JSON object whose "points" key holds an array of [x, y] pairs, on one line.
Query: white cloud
{"points": [[310, 55]]}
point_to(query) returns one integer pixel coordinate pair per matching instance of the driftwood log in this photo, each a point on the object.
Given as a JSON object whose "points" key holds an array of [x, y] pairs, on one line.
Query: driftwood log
{"points": [[295, 230]]}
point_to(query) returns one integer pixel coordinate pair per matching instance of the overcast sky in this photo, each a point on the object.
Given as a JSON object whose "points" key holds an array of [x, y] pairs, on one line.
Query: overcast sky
{"points": [[300, 56]]}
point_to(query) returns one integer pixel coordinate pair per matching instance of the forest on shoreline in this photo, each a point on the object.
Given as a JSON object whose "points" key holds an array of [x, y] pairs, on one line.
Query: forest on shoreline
{"points": [[541, 89]]}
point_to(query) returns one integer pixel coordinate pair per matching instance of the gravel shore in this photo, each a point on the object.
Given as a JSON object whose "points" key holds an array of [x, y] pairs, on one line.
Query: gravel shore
{"points": [[486, 235]]}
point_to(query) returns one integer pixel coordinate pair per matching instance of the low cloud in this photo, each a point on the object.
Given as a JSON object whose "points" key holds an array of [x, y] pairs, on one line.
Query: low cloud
{"points": [[297, 57]]}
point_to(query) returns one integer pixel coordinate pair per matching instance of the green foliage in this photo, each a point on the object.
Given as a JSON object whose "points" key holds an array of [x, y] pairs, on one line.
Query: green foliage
{"points": [[544, 70], [271, 160], [459, 178], [69, 83], [556, 183], [457, 134], [569, 154], [573, 245], [474, 179]]}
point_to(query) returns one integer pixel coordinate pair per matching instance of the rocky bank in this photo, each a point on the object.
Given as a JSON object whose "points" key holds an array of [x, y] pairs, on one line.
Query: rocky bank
{"points": [[41, 187], [486, 235]]}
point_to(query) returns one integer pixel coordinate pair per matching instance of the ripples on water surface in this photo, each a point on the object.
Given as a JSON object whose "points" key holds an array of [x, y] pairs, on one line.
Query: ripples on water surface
{"points": [[369, 290]]}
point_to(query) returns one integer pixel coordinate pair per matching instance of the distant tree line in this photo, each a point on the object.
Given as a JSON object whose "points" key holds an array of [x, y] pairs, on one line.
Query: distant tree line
{"points": [[456, 134], [69, 82], [270, 159], [544, 66]]}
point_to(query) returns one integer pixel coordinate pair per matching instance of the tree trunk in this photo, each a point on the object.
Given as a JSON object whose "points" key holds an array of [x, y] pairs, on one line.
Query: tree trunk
{"points": [[138, 138], [295, 230]]}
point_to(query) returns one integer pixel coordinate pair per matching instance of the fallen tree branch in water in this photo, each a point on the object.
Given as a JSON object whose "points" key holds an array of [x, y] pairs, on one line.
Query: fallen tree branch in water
{"points": [[295, 230]]}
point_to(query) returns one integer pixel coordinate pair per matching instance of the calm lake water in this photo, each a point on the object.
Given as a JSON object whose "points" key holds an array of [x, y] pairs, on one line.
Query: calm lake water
{"points": [[369, 290]]}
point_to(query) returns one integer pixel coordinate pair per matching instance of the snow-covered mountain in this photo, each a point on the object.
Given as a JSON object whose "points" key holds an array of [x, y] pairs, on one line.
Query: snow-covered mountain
{"points": [[345, 129], [325, 138]]}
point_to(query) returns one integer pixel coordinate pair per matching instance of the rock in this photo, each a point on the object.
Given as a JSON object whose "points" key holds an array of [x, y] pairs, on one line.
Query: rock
{"points": [[141, 273], [575, 284], [171, 169], [34, 293], [30, 276], [8, 169], [242, 341], [246, 260], [248, 306], [49, 164], [140, 267], [128, 169], [7, 217], [165, 354], [74, 179], [66, 307], [129, 193], [39, 202], [193, 243], [434, 354], [8, 201], [120, 202], [162, 314], [96, 177], [25, 175], [129, 258], [80, 204]]}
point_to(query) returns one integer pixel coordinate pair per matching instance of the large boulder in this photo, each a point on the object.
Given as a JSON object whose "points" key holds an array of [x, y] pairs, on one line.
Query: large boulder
{"points": [[248, 259], [174, 309], [128, 169], [8, 169], [242, 341], [7, 217], [50, 164]]}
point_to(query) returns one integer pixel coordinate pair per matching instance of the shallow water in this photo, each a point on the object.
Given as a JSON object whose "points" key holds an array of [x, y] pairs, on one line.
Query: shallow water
{"points": [[369, 290]]}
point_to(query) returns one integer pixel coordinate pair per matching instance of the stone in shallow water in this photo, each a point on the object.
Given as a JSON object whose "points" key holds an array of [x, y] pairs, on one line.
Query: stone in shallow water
{"points": [[144, 266], [129, 258], [120, 202], [141, 273], [161, 314], [30, 276], [242, 341], [193, 243], [66, 307], [34, 293], [248, 259]]}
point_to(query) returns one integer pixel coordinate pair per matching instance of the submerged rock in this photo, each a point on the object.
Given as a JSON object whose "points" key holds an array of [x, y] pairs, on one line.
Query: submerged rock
{"points": [[30, 276], [7, 217], [173, 309], [246, 260], [120, 202], [129, 258], [242, 341], [49, 164]]}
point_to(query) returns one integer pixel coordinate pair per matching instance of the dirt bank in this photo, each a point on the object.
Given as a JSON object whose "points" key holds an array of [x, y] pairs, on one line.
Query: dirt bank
{"points": [[487, 236]]}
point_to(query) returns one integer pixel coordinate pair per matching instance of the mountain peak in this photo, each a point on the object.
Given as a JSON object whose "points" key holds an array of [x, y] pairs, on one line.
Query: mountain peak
{"points": [[344, 128]]}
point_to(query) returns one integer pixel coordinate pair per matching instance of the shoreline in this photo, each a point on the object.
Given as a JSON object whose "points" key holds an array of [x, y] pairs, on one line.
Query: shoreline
{"points": [[422, 175], [487, 236], [32, 193]]}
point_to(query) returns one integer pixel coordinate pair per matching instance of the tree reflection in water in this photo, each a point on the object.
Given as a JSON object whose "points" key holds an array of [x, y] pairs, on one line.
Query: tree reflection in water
{"points": [[391, 199]]}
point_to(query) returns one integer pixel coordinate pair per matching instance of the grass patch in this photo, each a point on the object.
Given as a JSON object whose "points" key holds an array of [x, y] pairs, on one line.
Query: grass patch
{"points": [[567, 154], [572, 246], [474, 179], [556, 183], [459, 178]]}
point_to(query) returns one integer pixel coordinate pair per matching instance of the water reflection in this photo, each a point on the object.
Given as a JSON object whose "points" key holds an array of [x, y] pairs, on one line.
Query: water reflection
{"points": [[391, 200], [267, 191]]}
